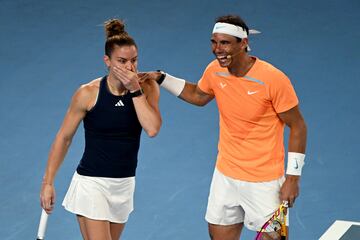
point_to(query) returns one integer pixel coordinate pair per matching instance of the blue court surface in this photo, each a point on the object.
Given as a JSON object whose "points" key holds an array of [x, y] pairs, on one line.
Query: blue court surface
{"points": [[49, 48]]}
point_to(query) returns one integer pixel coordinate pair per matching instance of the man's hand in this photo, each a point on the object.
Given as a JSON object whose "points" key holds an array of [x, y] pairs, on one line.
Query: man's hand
{"points": [[290, 189], [149, 76]]}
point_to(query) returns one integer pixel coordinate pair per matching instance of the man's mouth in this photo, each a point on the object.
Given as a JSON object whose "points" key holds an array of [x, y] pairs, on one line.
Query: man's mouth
{"points": [[222, 58]]}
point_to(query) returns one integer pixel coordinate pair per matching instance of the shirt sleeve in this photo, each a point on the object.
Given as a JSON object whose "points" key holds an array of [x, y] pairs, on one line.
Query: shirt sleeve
{"points": [[282, 93], [205, 81]]}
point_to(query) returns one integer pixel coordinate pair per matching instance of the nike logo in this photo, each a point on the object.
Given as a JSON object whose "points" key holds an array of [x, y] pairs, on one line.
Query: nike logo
{"points": [[222, 85], [296, 164], [119, 104], [251, 92]]}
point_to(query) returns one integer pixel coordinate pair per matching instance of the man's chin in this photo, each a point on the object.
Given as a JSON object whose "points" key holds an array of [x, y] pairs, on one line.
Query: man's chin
{"points": [[224, 64]]}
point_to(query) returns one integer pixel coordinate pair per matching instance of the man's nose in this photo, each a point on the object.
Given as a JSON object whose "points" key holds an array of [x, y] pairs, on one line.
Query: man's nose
{"points": [[217, 48]]}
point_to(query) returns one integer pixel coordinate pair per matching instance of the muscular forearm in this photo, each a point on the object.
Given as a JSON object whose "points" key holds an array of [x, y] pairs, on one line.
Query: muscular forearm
{"points": [[296, 151], [297, 138], [189, 95], [297, 144], [187, 91], [148, 117], [56, 156]]}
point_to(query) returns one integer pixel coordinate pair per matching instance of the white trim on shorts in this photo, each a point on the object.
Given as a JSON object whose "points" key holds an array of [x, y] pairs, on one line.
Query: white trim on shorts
{"points": [[233, 201], [99, 198]]}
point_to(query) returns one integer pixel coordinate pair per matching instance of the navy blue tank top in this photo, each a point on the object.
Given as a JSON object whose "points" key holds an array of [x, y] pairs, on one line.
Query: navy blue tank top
{"points": [[112, 136]]}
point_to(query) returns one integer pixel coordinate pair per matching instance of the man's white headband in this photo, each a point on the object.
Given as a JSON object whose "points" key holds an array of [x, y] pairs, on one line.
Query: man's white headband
{"points": [[230, 29], [233, 30]]}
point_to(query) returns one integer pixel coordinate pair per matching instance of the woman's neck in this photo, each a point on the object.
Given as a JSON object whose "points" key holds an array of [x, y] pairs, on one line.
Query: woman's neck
{"points": [[115, 86]]}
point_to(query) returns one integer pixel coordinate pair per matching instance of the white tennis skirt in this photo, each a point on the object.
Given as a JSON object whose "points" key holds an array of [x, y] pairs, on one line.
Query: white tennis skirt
{"points": [[99, 198]]}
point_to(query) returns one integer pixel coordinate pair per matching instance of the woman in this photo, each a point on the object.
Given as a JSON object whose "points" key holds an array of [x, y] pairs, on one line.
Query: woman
{"points": [[114, 109]]}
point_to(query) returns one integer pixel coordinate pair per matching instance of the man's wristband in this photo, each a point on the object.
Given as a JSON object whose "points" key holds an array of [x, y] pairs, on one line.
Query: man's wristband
{"points": [[173, 84], [295, 163], [162, 77]]}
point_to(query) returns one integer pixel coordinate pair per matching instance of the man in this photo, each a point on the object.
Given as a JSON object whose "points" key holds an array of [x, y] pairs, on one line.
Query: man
{"points": [[255, 101]]}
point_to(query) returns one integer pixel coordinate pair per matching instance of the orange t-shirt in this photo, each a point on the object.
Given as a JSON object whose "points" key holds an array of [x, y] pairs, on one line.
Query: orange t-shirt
{"points": [[251, 135]]}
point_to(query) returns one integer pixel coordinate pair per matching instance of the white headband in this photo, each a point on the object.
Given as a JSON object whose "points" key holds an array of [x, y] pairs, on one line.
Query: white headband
{"points": [[230, 29], [233, 30]]}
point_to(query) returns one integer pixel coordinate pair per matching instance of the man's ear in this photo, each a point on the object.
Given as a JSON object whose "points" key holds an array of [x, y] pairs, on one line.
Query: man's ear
{"points": [[244, 43]]}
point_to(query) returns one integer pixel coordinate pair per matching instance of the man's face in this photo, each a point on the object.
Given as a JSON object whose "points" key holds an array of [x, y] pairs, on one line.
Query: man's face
{"points": [[225, 47], [123, 56]]}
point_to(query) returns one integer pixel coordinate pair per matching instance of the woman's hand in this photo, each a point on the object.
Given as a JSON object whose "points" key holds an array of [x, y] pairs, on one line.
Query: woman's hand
{"points": [[128, 78], [47, 197]]}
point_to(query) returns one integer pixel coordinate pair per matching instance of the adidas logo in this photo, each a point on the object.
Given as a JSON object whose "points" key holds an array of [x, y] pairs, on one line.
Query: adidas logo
{"points": [[119, 104]]}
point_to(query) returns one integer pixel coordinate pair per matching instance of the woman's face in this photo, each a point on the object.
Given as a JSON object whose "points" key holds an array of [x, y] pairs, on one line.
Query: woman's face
{"points": [[123, 56]]}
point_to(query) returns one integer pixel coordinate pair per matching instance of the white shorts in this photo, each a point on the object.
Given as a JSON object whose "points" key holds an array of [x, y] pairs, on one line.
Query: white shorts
{"points": [[233, 201], [101, 198]]}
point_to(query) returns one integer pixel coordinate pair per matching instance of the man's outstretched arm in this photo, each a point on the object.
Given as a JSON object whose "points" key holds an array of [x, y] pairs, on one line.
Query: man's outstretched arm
{"points": [[187, 91]]}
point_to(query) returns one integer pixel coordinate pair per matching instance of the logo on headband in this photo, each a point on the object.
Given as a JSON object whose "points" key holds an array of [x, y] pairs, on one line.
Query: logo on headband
{"points": [[218, 27]]}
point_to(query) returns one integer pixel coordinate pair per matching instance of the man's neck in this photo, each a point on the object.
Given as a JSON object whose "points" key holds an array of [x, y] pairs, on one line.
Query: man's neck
{"points": [[241, 66]]}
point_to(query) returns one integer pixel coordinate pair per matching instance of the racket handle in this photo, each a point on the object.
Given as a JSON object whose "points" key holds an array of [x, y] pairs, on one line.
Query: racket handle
{"points": [[42, 225]]}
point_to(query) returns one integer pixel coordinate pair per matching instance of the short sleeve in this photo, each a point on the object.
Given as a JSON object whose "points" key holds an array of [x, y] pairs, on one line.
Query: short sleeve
{"points": [[282, 93], [205, 81]]}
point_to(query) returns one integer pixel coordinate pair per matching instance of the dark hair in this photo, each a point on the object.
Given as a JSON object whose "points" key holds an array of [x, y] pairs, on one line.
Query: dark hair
{"points": [[235, 20], [116, 36]]}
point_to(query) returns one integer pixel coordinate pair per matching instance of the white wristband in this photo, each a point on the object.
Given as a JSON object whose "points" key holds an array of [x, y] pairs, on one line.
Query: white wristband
{"points": [[173, 85], [295, 163]]}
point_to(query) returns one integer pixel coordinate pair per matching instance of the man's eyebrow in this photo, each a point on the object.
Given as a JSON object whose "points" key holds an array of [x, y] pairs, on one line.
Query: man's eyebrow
{"points": [[126, 58]]}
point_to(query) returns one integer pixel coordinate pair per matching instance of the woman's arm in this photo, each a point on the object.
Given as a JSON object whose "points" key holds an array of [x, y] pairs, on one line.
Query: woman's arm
{"points": [[76, 112], [147, 104], [147, 108]]}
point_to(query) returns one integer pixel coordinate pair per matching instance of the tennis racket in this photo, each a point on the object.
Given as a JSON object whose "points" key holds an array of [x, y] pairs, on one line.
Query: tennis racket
{"points": [[275, 227], [42, 225]]}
